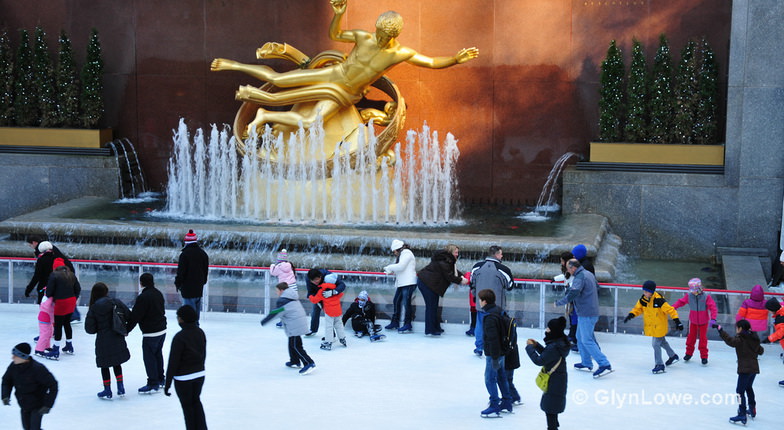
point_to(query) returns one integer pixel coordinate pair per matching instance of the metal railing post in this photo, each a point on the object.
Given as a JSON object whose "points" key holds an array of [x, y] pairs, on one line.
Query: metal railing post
{"points": [[266, 292], [10, 281], [541, 305], [615, 310]]}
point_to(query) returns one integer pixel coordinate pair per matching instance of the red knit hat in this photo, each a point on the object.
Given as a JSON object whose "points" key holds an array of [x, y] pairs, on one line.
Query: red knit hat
{"points": [[58, 262], [190, 237]]}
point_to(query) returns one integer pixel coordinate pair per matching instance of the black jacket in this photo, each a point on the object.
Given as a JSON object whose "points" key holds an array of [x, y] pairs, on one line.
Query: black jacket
{"points": [[192, 269], [359, 315], [110, 347], [148, 311], [43, 268], [188, 352], [440, 272], [35, 386], [492, 327], [61, 286], [554, 400]]}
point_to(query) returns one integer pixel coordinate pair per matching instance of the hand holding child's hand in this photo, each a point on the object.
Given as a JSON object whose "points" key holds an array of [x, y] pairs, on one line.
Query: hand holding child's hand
{"points": [[765, 340]]}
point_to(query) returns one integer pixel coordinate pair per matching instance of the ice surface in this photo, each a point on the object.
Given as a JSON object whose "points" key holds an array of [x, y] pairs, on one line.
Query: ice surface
{"points": [[407, 381]]}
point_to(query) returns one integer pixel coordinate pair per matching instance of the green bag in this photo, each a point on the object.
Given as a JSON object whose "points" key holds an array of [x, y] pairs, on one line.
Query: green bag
{"points": [[543, 378]]}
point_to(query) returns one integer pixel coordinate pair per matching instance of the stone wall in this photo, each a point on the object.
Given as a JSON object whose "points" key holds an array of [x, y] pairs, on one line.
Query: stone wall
{"points": [[686, 216], [33, 181]]}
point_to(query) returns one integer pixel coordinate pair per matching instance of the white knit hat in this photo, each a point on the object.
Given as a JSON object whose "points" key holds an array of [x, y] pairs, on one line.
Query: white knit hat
{"points": [[396, 244]]}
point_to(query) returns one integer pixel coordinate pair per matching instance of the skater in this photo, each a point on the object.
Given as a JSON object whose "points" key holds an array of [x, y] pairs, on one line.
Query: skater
{"points": [[774, 306], [150, 313], [329, 298], [362, 314], [753, 310], [284, 270], [552, 357], [193, 267], [747, 348], [404, 270], [491, 274], [295, 323], [186, 367], [45, 254], [433, 281], [702, 313], [36, 388], [110, 348], [62, 288], [315, 278], [655, 310], [495, 360], [570, 313], [45, 326]]}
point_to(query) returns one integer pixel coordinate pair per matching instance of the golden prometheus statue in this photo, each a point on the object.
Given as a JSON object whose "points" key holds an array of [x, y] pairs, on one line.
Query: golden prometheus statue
{"points": [[331, 84]]}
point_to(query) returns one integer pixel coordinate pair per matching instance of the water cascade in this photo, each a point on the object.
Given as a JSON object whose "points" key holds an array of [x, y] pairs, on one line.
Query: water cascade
{"points": [[128, 167], [284, 181], [545, 203]]}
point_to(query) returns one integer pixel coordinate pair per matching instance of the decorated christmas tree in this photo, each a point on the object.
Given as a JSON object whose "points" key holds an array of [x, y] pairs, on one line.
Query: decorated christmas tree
{"points": [[686, 95], [43, 77], [705, 123], [662, 98], [637, 96], [611, 104], [67, 85], [6, 80], [92, 85], [25, 92]]}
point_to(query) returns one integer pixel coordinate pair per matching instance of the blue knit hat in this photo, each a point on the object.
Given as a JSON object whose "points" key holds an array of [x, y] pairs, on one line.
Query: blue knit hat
{"points": [[579, 251]]}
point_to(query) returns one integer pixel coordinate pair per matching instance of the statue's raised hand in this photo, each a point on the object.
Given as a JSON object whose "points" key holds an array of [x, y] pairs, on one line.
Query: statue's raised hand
{"points": [[338, 6], [466, 54]]}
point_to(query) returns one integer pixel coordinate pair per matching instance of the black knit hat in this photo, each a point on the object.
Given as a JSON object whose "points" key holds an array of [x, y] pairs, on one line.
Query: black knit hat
{"points": [[557, 326], [22, 351], [773, 304], [649, 286], [187, 314]]}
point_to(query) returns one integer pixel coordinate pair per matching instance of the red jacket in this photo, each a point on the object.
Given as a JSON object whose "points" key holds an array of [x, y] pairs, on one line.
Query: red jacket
{"points": [[331, 304]]}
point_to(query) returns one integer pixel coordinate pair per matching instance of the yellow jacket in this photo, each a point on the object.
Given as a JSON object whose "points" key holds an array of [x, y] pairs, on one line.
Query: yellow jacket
{"points": [[655, 311]]}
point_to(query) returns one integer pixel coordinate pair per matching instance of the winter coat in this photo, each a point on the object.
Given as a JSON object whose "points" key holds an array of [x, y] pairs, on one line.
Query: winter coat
{"points": [[331, 304], [655, 311], [34, 384], [440, 273], [747, 348], [404, 269], [359, 315], [702, 308], [63, 288], [584, 293], [498, 289], [284, 271], [313, 288], [292, 314], [188, 352], [554, 400], [43, 268], [192, 269], [777, 310], [149, 312], [110, 347], [753, 310], [493, 328]]}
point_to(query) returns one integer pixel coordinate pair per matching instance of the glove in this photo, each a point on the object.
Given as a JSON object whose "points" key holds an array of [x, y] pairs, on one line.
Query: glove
{"points": [[166, 391], [628, 317], [7, 401], [765, 340], [495, 363], [717, 327], [328, 293], [678, 325], [713, 323], [44, 410]]}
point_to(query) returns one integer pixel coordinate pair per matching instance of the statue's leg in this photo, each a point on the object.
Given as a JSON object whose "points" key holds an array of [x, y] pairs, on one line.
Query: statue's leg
{"points": [[326, 108], [258, 71]]}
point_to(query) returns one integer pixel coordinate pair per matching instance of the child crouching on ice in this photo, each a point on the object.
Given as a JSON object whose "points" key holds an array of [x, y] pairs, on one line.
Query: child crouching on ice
{"points": [[655, 310], [702, 313], [329, 298], [295, 324], [747, 348], [362, 314]]}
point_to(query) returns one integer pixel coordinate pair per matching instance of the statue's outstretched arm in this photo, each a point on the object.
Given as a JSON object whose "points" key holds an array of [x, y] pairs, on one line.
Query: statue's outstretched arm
{"points": [[461, 57], [335, 33]]}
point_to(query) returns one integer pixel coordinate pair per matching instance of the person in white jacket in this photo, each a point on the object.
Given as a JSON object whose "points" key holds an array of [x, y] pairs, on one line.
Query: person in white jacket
{"points": [[404, 270]]}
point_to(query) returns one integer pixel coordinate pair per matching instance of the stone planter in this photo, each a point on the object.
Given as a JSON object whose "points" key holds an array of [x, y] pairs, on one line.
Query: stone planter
{"points": [[653, 153], [59, 137]]}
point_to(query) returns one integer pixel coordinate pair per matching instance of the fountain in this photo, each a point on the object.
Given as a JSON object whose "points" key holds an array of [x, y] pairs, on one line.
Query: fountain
{"points": [[546, 206]]}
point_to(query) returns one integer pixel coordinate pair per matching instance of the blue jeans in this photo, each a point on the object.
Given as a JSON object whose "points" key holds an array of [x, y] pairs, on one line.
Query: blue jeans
{"points": [[495, 380], [432, 324], [479, 329], [152, 354], [402, 300], [195, 303], [586, 342]]}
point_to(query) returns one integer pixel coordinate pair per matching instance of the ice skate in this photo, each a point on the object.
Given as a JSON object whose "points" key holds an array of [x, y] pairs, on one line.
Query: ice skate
{"points": [[308, 369], [672, 360], [659, 368], [602, 371], [493, 411], [327, 346], [68, 348], [106, 394], [53, 354]]}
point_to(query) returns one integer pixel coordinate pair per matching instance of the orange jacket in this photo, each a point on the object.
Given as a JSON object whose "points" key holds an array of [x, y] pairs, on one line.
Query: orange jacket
{"points": [[331, 304], [778, 328]]}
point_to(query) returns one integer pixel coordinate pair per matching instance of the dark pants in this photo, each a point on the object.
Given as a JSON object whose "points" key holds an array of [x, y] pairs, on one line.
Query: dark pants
{"points": [[297, 352], [189, 393], [402, 304], [62, 322], [745, 381], [31, 419], [107, 378], [315, 314], [432, 324], [152, 353], [552, 421]]}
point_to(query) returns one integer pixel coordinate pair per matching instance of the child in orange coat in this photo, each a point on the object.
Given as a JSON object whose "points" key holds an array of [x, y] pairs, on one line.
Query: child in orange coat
{"points": [[330, 300], [774, 306]]}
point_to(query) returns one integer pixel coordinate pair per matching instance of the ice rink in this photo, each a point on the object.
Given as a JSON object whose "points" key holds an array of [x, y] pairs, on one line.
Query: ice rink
{"points": [[408, 381]]}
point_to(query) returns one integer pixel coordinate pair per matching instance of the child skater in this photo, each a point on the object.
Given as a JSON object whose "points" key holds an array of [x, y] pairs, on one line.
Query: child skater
{"points": [[362, 314], [295, 323], [552, 357], [777, 310], [655, 310], [45, 325], [747, 348], [110, 347], [36, 388], [328, 296], [702, 313], [284, 271], [753, 310]]}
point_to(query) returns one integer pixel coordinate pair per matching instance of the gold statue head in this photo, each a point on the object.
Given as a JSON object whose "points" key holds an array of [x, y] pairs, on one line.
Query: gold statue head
{"points": [[390, 22]]}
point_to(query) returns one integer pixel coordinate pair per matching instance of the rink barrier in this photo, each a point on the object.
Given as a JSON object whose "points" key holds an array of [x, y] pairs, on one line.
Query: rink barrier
{"points": [[522, 309]]}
